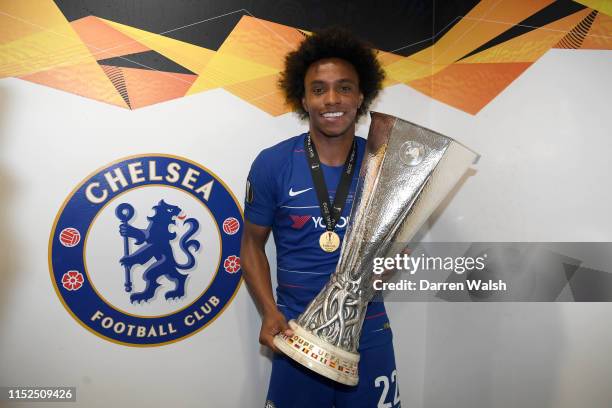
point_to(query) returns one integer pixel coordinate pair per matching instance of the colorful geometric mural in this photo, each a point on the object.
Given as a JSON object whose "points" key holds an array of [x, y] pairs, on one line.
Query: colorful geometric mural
{"points": [[466, 67]]}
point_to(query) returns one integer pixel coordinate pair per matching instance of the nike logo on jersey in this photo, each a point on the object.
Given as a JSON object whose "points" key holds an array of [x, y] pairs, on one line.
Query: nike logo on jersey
{"points": [[294, 193]]}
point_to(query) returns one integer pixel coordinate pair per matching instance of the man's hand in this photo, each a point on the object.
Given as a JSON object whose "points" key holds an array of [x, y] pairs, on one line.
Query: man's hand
{"points": [[273, 323], [256, 273]]}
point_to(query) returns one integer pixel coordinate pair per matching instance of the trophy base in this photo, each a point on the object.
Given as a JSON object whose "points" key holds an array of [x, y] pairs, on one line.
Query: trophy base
{"points": [[318, 355]]}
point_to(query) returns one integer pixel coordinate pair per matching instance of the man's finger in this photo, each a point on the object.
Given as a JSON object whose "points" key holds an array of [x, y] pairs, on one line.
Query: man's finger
{"points": [[285, 328], [269, 341]]}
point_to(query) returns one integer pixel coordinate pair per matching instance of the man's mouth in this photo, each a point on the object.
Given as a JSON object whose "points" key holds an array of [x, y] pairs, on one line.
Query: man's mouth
{"points": [[332, 114]]}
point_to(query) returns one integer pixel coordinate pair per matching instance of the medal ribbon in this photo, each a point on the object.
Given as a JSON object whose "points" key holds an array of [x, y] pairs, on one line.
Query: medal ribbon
{"points": [[331, 213]]}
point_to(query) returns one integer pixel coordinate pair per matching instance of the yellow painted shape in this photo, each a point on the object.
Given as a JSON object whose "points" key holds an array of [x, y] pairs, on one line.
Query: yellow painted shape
{"points": [[485, 21], [532, 45], [190, 56], [407, 69], [40, 39], [603, 6], [385, 59], [26, 17], [223, 70], [263, 93]]}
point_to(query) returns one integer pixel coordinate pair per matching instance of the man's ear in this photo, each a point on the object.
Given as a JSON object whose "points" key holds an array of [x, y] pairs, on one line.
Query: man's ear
{"points": [[304, 104], [360, 100]]}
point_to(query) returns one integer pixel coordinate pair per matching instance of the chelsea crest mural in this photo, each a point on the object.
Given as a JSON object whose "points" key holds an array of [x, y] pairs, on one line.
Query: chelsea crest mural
{"points": [[145, 251]]}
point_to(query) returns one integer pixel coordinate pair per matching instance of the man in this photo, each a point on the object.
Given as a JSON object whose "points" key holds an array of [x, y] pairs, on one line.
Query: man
{"points": [[331, 79]]}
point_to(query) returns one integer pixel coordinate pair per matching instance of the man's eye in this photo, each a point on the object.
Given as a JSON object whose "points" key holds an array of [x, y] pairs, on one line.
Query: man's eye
{"points": [[346, 88], [317, 91]]}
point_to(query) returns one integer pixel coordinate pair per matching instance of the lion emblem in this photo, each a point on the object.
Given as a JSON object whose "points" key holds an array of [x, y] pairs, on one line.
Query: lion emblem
{"points": [[155, 244]]}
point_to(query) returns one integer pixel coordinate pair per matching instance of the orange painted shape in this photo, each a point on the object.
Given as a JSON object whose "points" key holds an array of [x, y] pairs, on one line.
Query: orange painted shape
{"points": [[104, 41], [263, 93], [470, 87], [600, 34], [261, 41], [85, 79], [146, 87]]}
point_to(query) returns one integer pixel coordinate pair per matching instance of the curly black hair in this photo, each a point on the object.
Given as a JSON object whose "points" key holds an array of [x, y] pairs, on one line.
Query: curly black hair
{"points": [[334, 42]]}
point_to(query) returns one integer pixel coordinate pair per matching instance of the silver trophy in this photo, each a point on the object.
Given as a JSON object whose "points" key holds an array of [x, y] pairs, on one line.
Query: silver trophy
{"points": [[406, 172]]}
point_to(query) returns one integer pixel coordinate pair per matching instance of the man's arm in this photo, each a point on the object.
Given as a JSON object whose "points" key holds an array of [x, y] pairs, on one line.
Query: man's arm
{"points": [[256, 273]]}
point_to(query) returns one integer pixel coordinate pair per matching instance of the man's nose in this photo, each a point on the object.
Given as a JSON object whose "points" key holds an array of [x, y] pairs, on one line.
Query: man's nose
{"points": [[332, 97]]}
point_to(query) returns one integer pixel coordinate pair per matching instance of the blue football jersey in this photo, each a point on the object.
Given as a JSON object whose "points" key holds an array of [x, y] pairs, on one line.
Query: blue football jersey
{"points": [[282, 196]]}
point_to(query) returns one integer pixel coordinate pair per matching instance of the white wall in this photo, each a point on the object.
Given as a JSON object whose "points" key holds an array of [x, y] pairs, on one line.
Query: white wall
{"points": [[543, 176]]}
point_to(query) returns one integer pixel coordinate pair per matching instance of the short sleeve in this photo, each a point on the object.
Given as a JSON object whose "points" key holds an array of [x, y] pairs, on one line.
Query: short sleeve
{"points": [[260, 198]]}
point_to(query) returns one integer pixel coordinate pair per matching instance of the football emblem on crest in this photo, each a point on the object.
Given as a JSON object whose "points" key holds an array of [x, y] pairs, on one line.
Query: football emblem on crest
{"points": [[145, 251]]}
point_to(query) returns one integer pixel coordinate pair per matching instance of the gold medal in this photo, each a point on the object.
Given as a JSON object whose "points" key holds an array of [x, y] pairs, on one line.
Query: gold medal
{"points": [[329, 241]]}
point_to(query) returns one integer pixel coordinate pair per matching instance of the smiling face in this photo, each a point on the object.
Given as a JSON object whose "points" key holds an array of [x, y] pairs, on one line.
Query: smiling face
{"points": [[332, 97]]}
